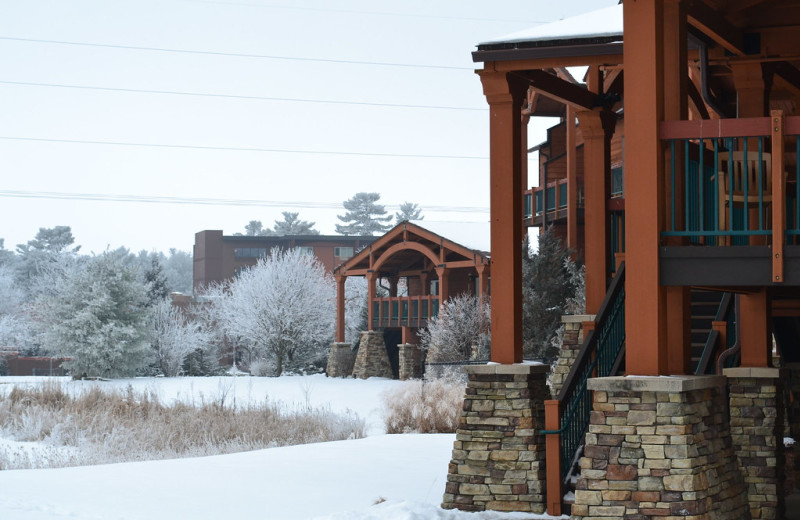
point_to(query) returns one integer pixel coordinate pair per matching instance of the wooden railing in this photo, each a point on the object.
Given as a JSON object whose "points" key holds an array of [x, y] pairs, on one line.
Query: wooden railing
{"points": [[567, 417], [404, 311]]}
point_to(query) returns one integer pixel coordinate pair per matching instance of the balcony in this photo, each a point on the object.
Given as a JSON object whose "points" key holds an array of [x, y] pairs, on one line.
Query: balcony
{"points": [[404, 311], [732, 188], [548, 204]]}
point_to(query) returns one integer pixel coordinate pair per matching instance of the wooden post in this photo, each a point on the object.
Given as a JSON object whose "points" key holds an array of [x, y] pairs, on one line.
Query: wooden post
{"points": [[597, 126], [370, 299], [340, 308], [572, 181], [756, 318], [552, 421], [444, 286], [646, 328], [505, 93], [778, 197]]}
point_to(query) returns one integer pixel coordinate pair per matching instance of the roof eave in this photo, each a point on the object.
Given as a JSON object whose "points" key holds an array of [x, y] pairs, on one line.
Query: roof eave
{"points": [[508, 52]]}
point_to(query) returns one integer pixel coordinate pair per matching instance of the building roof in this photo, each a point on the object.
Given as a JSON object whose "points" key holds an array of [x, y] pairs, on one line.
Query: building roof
{"points": [[303, 238], [471, 235]]}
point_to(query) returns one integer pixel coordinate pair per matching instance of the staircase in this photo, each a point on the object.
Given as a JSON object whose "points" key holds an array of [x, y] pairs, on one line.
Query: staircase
{"points": [[704, 307]]}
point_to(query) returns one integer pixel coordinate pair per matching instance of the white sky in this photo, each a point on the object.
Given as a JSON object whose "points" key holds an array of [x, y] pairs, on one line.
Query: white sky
{"points": [[439, 34]]}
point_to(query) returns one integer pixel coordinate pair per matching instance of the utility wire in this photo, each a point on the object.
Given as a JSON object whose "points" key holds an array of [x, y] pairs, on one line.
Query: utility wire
{"points": [[156, 199], [375, 13], [240, 149], [233, 54], [235, 96]]}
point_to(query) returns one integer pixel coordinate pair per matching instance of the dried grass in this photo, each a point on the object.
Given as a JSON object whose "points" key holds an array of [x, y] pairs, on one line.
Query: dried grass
{"points": [[423, 406], [99, 426]]}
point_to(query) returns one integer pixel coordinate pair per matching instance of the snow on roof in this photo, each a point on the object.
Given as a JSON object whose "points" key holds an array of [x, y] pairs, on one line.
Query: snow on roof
{"points": [[606, 22], [472, 235]]}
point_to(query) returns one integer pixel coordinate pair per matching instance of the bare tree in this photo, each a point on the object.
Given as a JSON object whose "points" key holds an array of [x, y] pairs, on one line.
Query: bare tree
{"points": [[282, 309], [173, 336], [460, 331]]}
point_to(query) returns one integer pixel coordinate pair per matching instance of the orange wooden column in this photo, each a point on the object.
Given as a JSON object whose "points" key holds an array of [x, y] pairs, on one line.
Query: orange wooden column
{"points": [[370, 298], [645, 300], [444, 284], [676, 107], [340, 297], [572, 181], [597, 127], [505, 93], [483, 280], [756, 330]]}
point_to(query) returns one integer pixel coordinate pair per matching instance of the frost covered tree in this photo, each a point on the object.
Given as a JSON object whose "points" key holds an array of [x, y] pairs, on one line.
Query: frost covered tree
{"points": [[179, 270], [408, 211], [48, 247], [156, 281], [173, 337], [95, 314], [292, 225], [551, 281], [355, 308], [14, 329], [282, 309], [364, 216], [460, 329]]}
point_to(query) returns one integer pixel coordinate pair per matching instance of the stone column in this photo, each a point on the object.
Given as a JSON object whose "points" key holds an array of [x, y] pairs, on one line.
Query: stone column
{"points": [[409, 361], [372, 359], [757, 412], [570, 346], [659, 447], [340, 360], [498, 456]]}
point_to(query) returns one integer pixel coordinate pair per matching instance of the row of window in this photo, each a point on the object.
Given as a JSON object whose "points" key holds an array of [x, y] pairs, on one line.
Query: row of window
{"points": [[342, 253]]}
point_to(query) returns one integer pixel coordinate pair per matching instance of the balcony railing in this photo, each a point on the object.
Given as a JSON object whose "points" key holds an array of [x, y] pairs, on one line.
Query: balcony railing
{"points": [[404, 311], [726, 176], [550, 198]]}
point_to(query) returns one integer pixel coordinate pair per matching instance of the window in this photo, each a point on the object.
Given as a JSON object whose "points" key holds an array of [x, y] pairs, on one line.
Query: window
{"points": [[250, 252], [343, 252], [305, 250]]}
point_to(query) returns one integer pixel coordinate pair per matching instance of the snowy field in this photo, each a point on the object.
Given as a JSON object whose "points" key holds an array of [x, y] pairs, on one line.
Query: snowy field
{"points": [[381, 477]]}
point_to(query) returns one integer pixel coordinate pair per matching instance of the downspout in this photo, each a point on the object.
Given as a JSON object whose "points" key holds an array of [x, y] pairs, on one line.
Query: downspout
{"points": [[737, 346]]}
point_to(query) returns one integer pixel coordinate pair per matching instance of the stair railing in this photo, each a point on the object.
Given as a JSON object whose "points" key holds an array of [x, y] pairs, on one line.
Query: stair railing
{"points": [[721, 337], [567, 417]]}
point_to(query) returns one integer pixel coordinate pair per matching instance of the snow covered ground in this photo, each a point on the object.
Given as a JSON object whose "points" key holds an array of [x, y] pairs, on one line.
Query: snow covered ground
{"points": [[381, 477]]}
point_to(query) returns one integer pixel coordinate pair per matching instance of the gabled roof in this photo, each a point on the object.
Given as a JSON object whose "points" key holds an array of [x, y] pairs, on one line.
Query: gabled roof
{"points": [[409, 247]]}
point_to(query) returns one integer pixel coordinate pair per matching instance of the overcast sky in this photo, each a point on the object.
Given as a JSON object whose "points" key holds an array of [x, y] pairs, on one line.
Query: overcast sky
{"points": [[253, 107]]}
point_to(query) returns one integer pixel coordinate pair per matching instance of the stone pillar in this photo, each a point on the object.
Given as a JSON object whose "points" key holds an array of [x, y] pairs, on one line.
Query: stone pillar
{"points": [[659, 447], [372, 359], [570, 346], [757, 413], [410, 365], [498, 455], [340, 360]]}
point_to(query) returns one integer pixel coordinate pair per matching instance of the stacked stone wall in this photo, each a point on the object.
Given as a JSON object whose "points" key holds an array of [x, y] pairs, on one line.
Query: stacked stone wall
{"points": [[659, 448], [498, 455], [341, 359], [409, 361], [757, 423], [572, 340], [372, 359]]}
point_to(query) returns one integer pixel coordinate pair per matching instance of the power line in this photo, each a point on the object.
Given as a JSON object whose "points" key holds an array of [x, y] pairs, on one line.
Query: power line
{"points": [[156, 199], [239, 149], [376, 13], [233, 54], [234, 96]]}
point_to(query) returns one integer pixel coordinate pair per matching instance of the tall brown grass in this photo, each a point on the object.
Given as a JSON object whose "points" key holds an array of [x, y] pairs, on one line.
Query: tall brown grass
{"points": [[100, 426], [424, 406]]}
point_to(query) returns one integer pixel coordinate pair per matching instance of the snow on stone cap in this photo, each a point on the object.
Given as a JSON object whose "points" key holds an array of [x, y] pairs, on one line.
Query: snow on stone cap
{"points": [[602, 23]]}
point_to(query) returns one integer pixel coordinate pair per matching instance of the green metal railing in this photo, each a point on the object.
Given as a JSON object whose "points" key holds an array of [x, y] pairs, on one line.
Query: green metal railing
{"points": [[601, 355], [404, 311], [713, 345], [617, 182], [528, 202]]}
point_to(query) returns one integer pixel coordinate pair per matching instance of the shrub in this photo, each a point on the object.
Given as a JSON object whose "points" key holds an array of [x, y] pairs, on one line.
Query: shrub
{"points": [[424, 406]]}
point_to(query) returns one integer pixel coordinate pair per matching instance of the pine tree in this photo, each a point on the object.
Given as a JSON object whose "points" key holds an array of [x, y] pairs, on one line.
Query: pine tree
{"points": [[292, 225], [363, 216], [408, 211], [548, 287], [157, 287]]}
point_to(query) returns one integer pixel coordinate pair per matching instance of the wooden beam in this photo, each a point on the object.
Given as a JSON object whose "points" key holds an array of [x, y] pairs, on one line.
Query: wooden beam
{"points": [[549, 63], [614, 82], [715, 26], [697, 100], [564, 91]]}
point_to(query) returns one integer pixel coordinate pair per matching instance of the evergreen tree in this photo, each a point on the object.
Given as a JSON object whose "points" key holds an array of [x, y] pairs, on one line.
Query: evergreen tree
{"points": [[292, 225], [49, 245], [255, 228], [364, 216], [157, 287], [548, 287], [408, 211]]}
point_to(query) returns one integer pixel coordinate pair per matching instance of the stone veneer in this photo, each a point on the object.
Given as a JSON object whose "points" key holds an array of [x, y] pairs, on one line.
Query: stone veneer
{"points": [[659, 447], [757, 427], [409, 361], [498, 455], [340, 360], [372, 359], [572, 341]]}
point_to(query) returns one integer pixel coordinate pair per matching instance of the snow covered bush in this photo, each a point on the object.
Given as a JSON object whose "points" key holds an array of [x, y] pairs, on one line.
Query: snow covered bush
{"points": [[173, 337], [424, 406], [282, 309], [355, 308], [460, 331], [95, 314]]}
